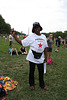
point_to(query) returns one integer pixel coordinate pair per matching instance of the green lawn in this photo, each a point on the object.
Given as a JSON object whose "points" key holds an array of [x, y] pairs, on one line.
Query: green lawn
{"points": [[17, 68]]}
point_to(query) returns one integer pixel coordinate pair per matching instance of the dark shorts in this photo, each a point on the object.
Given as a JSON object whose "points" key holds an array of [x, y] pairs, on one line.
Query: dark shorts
{"points": [[19, 52], [49, 49], [14, 53]]}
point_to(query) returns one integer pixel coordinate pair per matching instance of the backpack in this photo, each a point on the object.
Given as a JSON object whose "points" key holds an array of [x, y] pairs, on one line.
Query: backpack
{"points": [[49, 61]]}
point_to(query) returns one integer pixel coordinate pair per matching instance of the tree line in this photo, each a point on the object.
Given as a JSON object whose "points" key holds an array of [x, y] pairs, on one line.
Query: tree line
{"points": [[57, 33], [5, 28]]}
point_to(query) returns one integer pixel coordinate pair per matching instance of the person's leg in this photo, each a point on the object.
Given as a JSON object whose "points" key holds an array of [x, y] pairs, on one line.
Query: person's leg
{"points": [[11, 43], [58, 48], [11, 51], [41, 74], [19, 53], [62, 45], [50, 50], [31, 73], [16, 51], [49, 55]]}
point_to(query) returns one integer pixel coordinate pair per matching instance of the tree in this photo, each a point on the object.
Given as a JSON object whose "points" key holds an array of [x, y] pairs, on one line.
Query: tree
{"points": [[5, 28], [65, 34]]}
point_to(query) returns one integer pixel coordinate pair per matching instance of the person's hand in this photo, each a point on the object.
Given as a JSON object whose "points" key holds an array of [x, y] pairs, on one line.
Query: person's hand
{"points": [[45, 60], [48, 47]]}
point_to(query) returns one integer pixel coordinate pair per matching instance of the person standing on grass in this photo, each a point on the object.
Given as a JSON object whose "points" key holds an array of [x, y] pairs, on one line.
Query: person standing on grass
{"points": [[10, 39], [58, 44], [5, 37], [50, 45], [38, 48], [63, 43]]}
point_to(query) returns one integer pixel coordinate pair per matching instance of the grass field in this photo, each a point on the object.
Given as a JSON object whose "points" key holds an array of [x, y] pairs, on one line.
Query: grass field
{"points": [[17, 68]]}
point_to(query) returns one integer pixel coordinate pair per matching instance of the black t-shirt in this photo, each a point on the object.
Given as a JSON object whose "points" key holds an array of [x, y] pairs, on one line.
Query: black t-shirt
{"points": [[23, 49]]}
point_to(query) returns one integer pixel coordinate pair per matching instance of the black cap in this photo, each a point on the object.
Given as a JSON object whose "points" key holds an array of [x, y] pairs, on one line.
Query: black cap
{"points": [[36, 24]]}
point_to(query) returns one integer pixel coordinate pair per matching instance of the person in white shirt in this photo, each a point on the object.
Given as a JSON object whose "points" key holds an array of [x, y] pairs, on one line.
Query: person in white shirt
{"points": [[38, 48], [10, 40]]}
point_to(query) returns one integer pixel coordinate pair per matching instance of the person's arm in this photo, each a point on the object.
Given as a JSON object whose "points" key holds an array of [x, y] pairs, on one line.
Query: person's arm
{"points": [[45, 53], [47, 40], [20, 49], [25, 50], [15, 37]]}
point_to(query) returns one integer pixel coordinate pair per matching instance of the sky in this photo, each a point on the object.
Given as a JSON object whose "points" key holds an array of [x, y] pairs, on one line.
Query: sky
{"points": [[21, 14]]}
